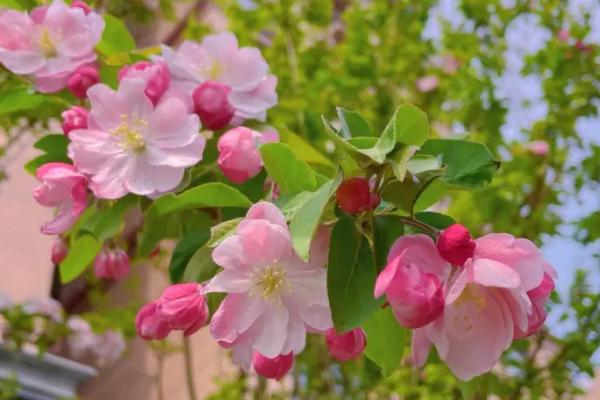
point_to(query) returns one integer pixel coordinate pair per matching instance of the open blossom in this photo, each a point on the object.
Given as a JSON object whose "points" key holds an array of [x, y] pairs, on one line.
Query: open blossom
{"points": [[44, 306], [273, 368], [239, 158], [218, 58], [63, 187], [49, 43], [74, 118], [112, 264], [155, 74], [412, 281], [183, 307], [273, 297], [83, 343], [132, 146], [346, 346], [490, 301]]}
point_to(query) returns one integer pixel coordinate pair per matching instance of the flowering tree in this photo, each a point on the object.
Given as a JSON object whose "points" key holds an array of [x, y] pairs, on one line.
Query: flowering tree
{"points": [[312, 231]]}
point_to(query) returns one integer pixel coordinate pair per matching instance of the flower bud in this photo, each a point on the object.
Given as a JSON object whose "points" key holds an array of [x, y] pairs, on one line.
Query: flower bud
{"points": [[538, 147], [155, 74], [354, 196], [83, 5], [82, 79], [455, 244], [59, 251], [74, 118], [184, 307], [427, 83], [211, 103], [272, 368], [239, 158], [149, 325], [416, 297], [112, 264], [345, 346]]}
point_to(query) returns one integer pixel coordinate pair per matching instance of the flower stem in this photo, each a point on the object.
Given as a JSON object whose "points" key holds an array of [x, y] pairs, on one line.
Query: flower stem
{"points": [[420, 225], [189, 375]]}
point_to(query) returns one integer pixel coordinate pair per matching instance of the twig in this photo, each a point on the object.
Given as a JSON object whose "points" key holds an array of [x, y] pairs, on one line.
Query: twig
{"points": [[189, 374]]}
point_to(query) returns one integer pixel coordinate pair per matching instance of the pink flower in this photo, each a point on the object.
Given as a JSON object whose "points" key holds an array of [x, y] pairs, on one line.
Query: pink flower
{"points": [[74, 118], [218, 58], [239, 158], [273, 297], [59, 251], [149, 325], [131, 146], [427, 83], [62, 187], [83, 5], [455, 244], [539, 297], [412, 281], [211, 103], [273, 368], [487, 304], [346, 346], [44, 306], [82, 79], [155, 74], [563, 35], [109, 347], [538, 147], [81, 339], [112, 264], [183, 307], [50, 43]]}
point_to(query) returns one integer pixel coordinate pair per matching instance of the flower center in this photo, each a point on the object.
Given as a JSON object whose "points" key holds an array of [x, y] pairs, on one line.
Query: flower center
{"points": [[467, 307], [471, 294], [46, 43], [211, 70], [271, 280], [130, 132]]}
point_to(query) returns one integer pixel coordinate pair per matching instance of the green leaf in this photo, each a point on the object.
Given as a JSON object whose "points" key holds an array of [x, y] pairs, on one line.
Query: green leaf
{"points": [[468, 164], [385, 340], [411, 125], [353, 124], [468, 389], [109, 222], [291, 174], [437, 220], [222, 231], [349, 148], [214, 194], [350, 276], [406, 193], [306, 219], [13, 5], [37, 162], [55, 149], [116, 37], [183, 253], [400, 159], [201, 267], [20, 99], [81, 254], [386, 229], [304, 151]]}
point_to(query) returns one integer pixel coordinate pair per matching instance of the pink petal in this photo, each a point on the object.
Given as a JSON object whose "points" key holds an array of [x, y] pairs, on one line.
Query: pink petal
{"points": [[229, 254], [267, 211], [421, 252], [421, 345], [231, 281], [264, 243]]}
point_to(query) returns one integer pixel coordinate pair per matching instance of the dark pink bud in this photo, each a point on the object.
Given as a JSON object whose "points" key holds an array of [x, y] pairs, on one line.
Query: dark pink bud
{"points": [[416, 297], [82, 79], [354, 196], [148, 324], [112, 264], [273, 368], [83, 5], [155, 74], [184, 307], [59, 251], [455, 244], [346, 346], [211, 103], [74, 118]]}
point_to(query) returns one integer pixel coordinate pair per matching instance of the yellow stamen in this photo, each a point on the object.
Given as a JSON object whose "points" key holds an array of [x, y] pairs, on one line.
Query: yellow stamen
{"points": [[46, 43], [271, 280], [130, 131]]}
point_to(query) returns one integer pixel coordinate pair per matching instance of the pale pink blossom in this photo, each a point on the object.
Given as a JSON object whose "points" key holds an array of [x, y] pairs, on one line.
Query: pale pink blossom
{"points": [[273, 368], [155, 74], [149, 325], [412, 281], [86, 345], [49, 43], [273, 297], [219, 58], [74, 118], [345, 346], [183, 306], [44, 306], [487, 304], [132, 146], [538, 147], [83, 5], [112, 264], [81, 339], [64, 188], [59, 251], [109, 347], [239, 158], [82, 79], [427, 83]]}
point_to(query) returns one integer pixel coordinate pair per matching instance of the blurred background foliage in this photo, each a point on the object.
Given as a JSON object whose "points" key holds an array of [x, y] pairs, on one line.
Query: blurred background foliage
{"points": [[502, 72]]}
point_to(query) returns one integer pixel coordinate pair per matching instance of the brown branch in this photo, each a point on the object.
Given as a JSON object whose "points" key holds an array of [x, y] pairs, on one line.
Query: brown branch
{"points": [[173, 37]]}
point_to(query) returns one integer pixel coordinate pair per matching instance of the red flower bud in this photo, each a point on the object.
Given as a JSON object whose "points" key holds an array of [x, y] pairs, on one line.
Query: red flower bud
{"points": [[59, 251], [112, 264], [455, 244], [273, 368], [354, 195], [82, 79], [149, 325], [74, 118], [211, 103], [346, 346]]}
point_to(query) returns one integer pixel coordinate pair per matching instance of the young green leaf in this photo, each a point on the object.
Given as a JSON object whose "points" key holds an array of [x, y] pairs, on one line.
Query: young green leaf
{"points": [[107, 223], [291, 174], [412, 127], [116, 37], [81, 254], [20, 99], [54, 148], [214, 194], [222, 231], [350, 276], [353, 124], [387, 346]]}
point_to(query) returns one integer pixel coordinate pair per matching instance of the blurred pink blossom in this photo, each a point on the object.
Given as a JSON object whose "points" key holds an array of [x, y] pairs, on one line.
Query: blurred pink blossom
{"points": [[538, 147], [112, 264], [427, 83]]}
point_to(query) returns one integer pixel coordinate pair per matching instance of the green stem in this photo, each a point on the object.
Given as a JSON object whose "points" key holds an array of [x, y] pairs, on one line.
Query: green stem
{"points": [[420, 225], [189, 375]]}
